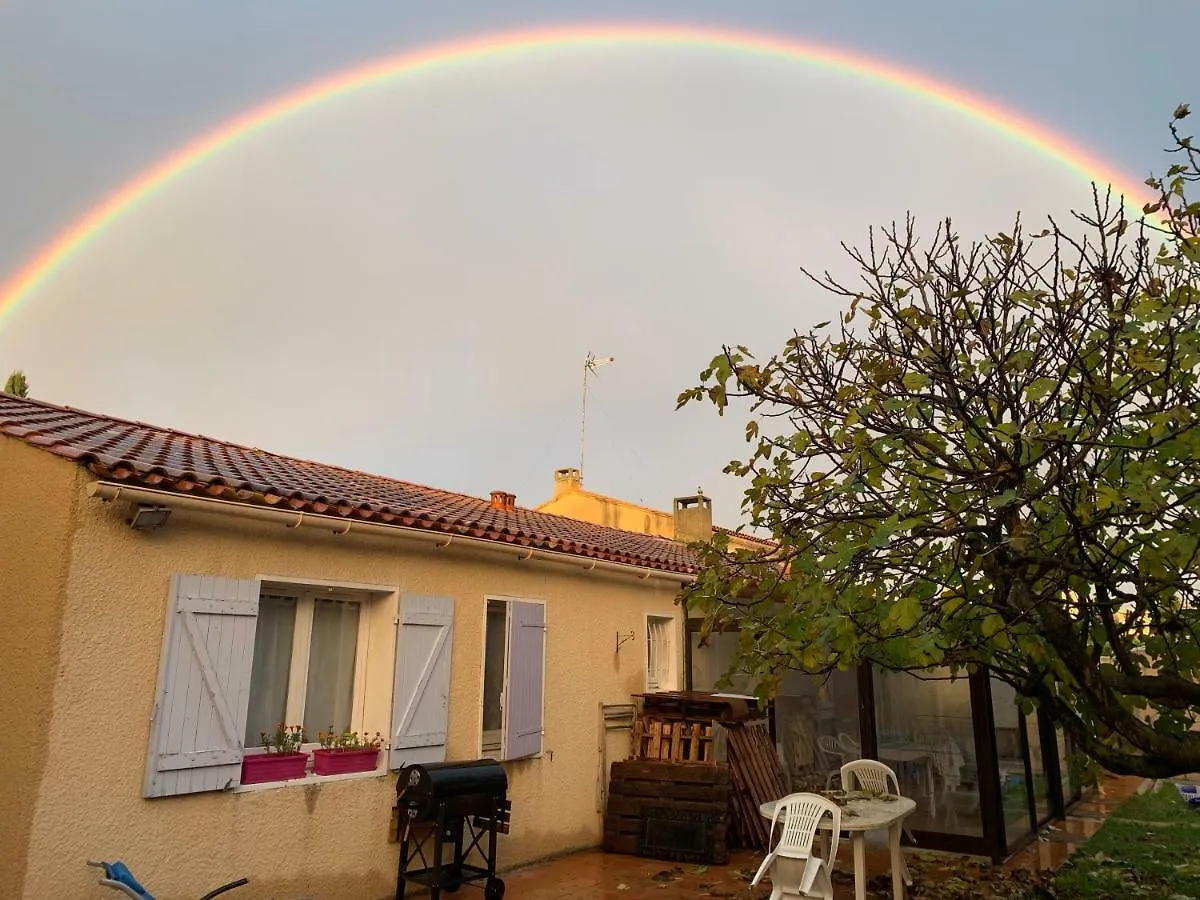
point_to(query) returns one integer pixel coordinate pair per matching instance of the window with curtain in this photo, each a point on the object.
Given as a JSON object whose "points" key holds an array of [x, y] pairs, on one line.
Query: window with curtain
{"points": [[305, 664], [272, 664]]}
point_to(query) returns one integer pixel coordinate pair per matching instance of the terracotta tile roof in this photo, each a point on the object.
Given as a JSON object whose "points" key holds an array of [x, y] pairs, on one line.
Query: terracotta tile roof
{"points": [[136, 453], [753, 538]]}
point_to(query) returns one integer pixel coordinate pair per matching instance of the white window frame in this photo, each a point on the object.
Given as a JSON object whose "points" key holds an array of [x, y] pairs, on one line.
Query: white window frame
{"points": [[306, 591], [495, 746], [672, 627]]}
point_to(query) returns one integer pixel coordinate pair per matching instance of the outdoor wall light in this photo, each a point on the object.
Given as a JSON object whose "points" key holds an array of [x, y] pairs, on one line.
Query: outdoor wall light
{"points": [[149, 518]]}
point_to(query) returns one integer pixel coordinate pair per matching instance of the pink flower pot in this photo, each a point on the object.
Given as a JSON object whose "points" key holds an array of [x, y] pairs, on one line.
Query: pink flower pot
{"points": [[261, 767], [339, 762]]}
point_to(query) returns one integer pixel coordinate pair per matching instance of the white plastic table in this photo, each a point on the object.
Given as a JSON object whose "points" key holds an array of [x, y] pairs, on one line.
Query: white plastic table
{"points": [[860, 816]]}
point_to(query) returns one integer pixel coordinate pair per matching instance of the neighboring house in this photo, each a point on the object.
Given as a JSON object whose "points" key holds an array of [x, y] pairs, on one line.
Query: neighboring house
{"points": [[691, 520], [169, 596]]}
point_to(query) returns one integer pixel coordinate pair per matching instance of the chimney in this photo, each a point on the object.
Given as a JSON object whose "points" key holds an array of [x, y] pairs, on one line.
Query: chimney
{"points": [[693, 518], [503, 500], [567, 481]]}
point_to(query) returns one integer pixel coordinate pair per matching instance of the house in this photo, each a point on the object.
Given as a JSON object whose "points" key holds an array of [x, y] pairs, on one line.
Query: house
{"points": [[690, 520], [987, 778], [168, 596]]}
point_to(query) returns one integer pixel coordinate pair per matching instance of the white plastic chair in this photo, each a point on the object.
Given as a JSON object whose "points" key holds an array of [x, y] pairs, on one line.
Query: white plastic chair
{"points": [[849, 745], [872, 775], [869, 775], [795, 870]]}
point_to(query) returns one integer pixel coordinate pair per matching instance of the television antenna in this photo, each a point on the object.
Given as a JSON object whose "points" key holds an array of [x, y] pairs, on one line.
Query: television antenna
{"points": [[590, 365]]}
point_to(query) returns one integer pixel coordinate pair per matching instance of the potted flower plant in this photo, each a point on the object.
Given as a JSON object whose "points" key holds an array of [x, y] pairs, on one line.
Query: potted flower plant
{"points": [[346, 752], [283, 759]]}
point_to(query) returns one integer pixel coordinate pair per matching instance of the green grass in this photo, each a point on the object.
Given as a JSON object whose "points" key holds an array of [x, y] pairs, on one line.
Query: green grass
{"points": [[1149, 847], [1162, 805]]}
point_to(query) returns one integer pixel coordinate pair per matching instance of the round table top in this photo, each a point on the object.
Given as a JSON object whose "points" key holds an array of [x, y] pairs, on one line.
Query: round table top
{"points": [[859, 813]]}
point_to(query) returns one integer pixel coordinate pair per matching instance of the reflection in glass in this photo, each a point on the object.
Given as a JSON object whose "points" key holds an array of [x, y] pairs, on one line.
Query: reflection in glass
{"points": [[711, 662], [1010, 757], [926, 733], [817, 727], [1070, 784], [1037, 773]]}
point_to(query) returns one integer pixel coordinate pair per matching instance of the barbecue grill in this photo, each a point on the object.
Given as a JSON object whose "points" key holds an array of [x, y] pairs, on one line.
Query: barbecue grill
{"points": [[463, 804]]}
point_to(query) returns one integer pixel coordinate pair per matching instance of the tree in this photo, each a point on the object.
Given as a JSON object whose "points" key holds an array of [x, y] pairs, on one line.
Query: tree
{"points": [[17, 384], [992, 460]]}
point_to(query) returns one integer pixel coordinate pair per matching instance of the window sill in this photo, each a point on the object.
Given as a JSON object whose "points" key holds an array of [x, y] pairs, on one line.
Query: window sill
{"points": [[310, 778]]}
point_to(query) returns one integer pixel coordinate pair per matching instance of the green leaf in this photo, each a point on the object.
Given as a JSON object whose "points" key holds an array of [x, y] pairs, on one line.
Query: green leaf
{"points": [[1039, 388], [914, 381], [905, 612], [991, 625]]}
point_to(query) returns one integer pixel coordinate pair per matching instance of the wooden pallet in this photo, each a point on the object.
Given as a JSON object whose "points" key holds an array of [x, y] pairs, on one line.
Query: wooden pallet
{"points": [[673, 740], [640, 788], [756, 777]]}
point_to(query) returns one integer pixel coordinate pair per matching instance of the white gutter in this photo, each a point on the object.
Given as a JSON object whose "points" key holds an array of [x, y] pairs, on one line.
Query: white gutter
{"points": [[106, 490]]}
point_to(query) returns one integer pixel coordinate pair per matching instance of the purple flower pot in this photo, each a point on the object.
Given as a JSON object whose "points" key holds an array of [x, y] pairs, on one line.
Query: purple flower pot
{"points": [[340, 762], [261, 767]]}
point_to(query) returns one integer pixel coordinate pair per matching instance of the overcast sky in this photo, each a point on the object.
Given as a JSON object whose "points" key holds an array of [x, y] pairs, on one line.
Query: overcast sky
{"points": [[407, 280]]}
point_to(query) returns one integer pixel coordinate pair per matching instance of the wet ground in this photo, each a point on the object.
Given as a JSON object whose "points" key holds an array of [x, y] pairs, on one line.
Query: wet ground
{"points": [[594, 875]]}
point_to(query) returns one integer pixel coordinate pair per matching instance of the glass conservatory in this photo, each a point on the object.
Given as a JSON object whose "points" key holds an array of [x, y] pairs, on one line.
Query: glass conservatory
{"points": [[985, 777]]}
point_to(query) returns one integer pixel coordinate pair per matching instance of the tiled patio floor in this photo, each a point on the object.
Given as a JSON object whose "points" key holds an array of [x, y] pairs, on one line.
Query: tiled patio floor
{"points": [[594, 875]]}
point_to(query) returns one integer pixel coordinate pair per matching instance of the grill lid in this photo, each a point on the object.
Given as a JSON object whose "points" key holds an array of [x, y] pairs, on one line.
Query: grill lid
{"points": [[419, 785]]}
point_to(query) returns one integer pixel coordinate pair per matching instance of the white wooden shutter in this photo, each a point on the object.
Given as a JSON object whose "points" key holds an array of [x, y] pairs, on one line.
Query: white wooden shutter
{"points": [[524, 681], [199, 719], [421, 698]]}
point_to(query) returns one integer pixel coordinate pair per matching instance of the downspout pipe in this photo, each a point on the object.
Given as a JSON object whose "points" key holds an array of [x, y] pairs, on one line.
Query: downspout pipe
{"points": [[107, 490]]}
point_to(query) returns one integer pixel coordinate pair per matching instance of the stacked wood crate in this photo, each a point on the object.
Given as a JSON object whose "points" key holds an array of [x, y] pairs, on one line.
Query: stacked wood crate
{"points": [[668, 810], [676, 737]]}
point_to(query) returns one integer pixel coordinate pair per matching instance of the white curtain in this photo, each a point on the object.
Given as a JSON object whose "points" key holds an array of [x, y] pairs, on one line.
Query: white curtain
{"points": [[331, 667], [272, 663]]}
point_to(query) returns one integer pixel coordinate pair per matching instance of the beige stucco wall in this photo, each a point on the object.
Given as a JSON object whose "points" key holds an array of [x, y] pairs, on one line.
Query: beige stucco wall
{"points": [[601, 510], [37, 497], [319, 840]]}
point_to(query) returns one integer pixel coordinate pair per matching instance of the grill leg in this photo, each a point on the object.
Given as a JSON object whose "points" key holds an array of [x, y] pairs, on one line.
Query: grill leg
{"points": [[456, 873], [494, 888], [491, 860], [402, 866], [435, 889]]}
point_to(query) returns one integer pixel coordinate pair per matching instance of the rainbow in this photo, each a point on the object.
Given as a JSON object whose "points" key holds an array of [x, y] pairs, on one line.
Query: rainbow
{"points": [[83, 230]]}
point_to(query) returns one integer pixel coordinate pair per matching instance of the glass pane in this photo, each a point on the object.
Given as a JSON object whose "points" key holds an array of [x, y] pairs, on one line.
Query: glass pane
{"points": [[927, 735], [711, 661], [816, 722], [330, 696], [1041, 784], [1010, 757], [493, 672], [272, 663], [1064, 764]]}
